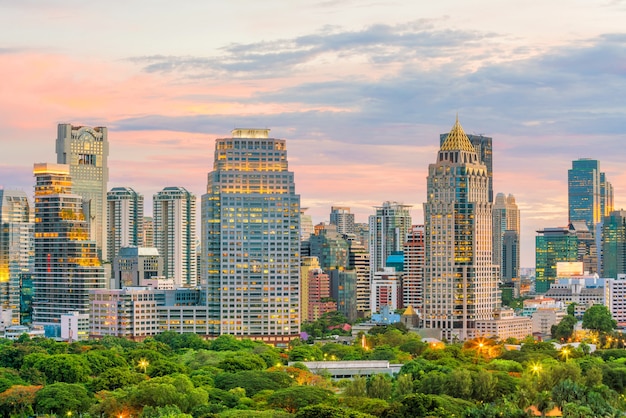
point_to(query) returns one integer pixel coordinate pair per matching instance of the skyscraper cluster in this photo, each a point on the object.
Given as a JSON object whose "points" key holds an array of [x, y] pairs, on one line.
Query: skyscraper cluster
{"points": [[261, 267]]}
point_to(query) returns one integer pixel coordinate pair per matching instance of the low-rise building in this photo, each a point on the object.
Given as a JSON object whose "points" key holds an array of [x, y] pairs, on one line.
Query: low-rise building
{"points": [[504, 325]]}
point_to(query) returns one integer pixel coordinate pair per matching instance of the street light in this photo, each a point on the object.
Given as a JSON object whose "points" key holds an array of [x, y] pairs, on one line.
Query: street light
{"points": [[143, 364], [536, 368], [565, 353]]}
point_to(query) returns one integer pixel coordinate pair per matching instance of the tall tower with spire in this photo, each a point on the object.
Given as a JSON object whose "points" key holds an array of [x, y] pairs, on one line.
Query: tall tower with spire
{"points": [[460, 279]]}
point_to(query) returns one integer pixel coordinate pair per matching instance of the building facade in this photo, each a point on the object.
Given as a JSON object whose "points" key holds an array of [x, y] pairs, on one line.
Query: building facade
{"points": [[134, 266], [17, 251], [460, 280], [552, 245], [614, 244], [174, 210], [506, 221], [251, 239], [67, 265], [590, 194], [413, 277], [124, 220], [387, 232], [341, 217], [86, 151], [484, 149]]}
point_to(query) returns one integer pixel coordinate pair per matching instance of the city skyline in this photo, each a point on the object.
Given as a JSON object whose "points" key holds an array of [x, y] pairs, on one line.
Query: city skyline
{"points": [[360, 93]]}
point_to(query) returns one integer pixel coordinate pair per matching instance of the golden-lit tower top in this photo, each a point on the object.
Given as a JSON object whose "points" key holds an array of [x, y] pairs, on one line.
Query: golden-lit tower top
{"points": [[457, 140]]}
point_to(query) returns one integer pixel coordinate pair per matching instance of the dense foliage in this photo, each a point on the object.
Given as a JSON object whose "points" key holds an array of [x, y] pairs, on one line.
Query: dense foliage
{"points": [[175, 375]]}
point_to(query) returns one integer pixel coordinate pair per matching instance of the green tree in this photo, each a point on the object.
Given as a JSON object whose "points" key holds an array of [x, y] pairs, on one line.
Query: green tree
{"points": [[599, 318], [403, 386], [242, 361], [296, 397], [68, 368], [253, 381], [357, 387], [459, 384], [61, 398], [18, 400], [115, 378], [564, 330], [328, 411], [379, 386]]}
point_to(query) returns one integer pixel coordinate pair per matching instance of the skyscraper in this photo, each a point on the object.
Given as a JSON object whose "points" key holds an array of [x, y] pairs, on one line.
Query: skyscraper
{"points": [[484, 149], [67, 266], [551, 246], [614, 244], [17, 252], [590, 194], [460, 280], [388, 229], [506, 217], [413, 277], [251, 239], [86, 151], [124, 219], [174, 210], [343, 219]]}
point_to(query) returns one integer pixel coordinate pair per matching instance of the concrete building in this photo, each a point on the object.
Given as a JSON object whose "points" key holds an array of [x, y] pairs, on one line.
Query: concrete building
{"points": [[67, 265], [86, 151], [124, 220], [17, 250], [342, 218], [615, 297], [319, 301], [387, 232], [133, 266], [251, 239], [386, 290], [148, 232], [329, 246], [130, 312], [544, 318], [503, 325], [413, 274], [174, 210], [460, 280], [359, 261], [506, 236], [74, 326], [590, 194]]}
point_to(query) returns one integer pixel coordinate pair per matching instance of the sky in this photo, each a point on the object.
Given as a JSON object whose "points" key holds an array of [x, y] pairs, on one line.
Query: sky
{"points": [[360, 90]]}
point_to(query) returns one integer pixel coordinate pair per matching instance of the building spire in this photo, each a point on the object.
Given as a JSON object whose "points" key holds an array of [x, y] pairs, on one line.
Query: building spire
{"points": [[457, 140]]}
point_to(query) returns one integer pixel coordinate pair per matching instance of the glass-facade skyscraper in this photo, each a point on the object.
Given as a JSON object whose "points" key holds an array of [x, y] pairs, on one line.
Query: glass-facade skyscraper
{"points": [[614, 244], [551, 246], [67, 266], [86, 151], [460, 279], [251, 239], [17, 252], [590, 194]]}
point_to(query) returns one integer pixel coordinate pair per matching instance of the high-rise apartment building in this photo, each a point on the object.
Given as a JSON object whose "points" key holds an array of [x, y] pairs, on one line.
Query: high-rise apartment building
{"points": [[86, 151], [17, 252], [387, 232], [342, 219], [318, 291], [551, 246], [359, 261], [590, 194], [506, 217], [329, 247], [413, 277], [614, 244], [124, 220], [460, 280], [67, 266], [484, 149], [251, 239], [147, 237], [174, 210]]}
